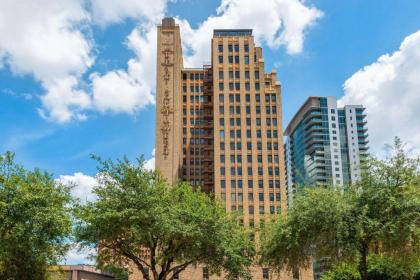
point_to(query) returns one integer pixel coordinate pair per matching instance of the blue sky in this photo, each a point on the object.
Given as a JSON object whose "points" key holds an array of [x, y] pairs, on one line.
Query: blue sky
{"points": [[77, 77]]}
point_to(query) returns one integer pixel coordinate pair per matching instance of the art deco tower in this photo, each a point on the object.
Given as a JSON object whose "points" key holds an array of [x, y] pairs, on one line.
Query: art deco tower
{"points": [[220, 126]]}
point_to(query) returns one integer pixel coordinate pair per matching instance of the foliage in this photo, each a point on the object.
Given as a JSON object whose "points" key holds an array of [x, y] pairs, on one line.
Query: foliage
{"points": [[34, 221], [379, 214], [139, 219], [342, 271]]}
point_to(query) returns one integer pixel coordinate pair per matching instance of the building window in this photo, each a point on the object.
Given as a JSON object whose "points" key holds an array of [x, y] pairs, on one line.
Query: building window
{"points": [[248, 98], [236, 59], [246, 48], [230, 59], [220, 59], [222, 134], [205, 273], [260, 171], [246, 59], [250, 182], [257, 86], [261, 210], [261, 197], [222, 145], [260, 184], [223, 184], [240, 187], [251, 209], [249, 171], [222, 122], [221, 74], [221, 86], [236, 48], [220, 47], [250, 196]]}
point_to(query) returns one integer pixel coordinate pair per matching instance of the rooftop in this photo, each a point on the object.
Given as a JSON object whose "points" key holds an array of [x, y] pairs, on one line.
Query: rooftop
{"points": [[232, 32]]}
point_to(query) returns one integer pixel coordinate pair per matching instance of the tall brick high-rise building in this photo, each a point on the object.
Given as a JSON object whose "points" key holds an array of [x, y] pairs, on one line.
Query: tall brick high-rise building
{"points": [[220, 126]]}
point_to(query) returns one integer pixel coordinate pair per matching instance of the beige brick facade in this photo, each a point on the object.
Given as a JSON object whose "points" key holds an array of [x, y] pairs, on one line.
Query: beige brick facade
{"points": [[220, 127]]}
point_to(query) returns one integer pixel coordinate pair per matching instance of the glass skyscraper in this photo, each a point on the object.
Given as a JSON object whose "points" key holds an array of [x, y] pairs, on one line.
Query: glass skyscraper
{"points": [[324, 145]]}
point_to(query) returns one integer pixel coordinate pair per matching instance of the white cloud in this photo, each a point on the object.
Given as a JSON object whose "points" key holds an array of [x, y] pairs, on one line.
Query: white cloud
{"points": [[274, 22], [107, 12], [82, 185], [126, 91], [43, 38], [390, 90], [150, 163], [77, 256], [51, 41]]}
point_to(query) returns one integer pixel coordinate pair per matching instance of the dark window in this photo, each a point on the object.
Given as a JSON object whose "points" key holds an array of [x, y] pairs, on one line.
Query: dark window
{"points": [[246, 59], [248, 146], [250, 184], [261, 197], [230, 59], [221, 75], [220, 59], [246, 48], [220, 48], [236, 48], [249, 171], [260, 171], [205, 273]]}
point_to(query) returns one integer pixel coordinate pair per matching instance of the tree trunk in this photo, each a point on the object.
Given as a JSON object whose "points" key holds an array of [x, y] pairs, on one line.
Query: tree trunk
{"points": [[363, 267]]}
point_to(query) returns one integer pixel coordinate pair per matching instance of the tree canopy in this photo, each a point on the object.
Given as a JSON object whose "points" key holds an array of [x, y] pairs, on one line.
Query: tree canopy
{"points": [[139, 219], [378, 215], [34, 221]]}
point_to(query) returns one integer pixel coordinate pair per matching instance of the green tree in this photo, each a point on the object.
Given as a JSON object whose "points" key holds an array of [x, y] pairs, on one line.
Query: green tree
{"points": [[379, 214], [34, 221], [161, 229]]}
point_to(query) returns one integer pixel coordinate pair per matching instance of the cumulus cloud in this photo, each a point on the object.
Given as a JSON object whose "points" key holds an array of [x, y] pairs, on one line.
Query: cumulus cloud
{"points": [[82, 185], [389, 89], [43, 38], [51, 40], [126, 91], [76, 256], [107, 12], [150, 163], [275, 23]]}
